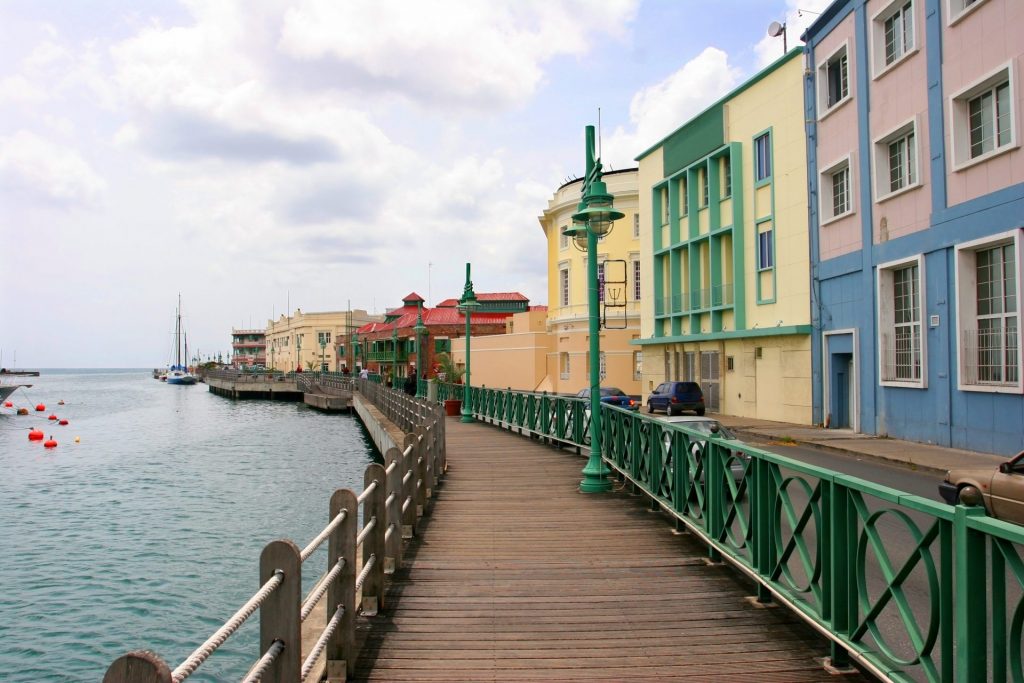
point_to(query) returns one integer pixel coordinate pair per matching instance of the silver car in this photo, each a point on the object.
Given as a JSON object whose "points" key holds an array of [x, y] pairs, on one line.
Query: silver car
{"points": [[711, 427]]}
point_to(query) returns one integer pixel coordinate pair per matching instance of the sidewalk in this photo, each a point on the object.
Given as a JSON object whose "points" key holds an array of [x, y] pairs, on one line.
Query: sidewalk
{"points": [[911, 454]]}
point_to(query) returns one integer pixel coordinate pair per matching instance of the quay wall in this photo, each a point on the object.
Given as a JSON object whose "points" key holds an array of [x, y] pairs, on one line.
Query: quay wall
{"points": [[385, 435]]}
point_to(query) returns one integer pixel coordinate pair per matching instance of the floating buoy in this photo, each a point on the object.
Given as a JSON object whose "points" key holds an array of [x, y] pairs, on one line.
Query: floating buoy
{"points": [[35, 435], [22, 411], [50, 444], [40, 408], [62, 423], [8, 404], [78, 439], [52, 417]]}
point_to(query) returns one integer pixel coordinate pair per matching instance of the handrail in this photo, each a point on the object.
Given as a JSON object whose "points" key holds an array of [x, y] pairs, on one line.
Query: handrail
{"points": [[847, 555], [393, 498]]}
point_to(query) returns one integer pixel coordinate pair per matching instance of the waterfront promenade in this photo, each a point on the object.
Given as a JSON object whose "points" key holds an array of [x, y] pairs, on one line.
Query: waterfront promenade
{"points": [[518, 576]]}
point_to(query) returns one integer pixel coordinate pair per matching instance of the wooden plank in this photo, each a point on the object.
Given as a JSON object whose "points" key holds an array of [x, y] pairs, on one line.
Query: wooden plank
{"points": [[517, 576]]}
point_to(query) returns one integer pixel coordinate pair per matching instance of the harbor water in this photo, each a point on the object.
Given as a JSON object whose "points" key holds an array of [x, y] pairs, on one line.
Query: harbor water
{"points": [[146, 534]]}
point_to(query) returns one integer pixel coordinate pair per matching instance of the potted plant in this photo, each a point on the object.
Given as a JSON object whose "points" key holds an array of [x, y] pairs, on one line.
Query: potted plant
{"points": [[449, 372]]}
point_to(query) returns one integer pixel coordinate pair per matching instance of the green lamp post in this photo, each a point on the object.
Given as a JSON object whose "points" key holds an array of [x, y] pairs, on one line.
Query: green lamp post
{"points": [[394, 354], [419, 330], [355, 353], [323, 355], [591, 222], [467, 303]]}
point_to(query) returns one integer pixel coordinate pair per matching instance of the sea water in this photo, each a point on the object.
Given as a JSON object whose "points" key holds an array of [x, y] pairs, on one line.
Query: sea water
{"points": [[146, 534]]}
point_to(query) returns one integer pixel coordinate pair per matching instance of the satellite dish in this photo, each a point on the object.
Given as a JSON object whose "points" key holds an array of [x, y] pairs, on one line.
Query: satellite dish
{"points": [[775, 28]]}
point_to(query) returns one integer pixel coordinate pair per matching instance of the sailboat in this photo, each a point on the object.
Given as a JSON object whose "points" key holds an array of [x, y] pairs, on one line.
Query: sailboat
{"points": [[178, 373]]}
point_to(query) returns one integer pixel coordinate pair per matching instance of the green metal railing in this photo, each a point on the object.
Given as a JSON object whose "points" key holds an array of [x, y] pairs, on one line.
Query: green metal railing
{"points": [[910, 588]]}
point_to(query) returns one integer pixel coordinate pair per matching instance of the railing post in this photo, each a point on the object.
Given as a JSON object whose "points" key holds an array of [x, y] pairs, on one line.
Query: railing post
{"points": [[426, 435], [279, 614], [410, 447], [969, 610], [341, 654], [422, 471], [140, 666], [373, 544], [394, 509]]}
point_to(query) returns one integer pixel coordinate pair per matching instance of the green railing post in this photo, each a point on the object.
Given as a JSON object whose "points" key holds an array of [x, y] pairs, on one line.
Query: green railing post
{"points": [[759, 490], [971, 638], [838, 551]]}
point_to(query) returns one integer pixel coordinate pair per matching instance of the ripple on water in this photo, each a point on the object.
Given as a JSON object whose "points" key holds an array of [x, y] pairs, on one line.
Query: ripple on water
{"points": [[148, 533]]}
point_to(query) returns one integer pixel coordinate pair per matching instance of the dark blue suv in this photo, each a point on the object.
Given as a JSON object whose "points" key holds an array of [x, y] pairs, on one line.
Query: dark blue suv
{"points": [[675, 397]]}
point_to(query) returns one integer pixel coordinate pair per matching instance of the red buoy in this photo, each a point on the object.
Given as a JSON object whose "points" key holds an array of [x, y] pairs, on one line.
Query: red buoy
{"points": [[8, 404], [35, 435], [50, 444], [62, 422], [40, 407], [52, 417]]}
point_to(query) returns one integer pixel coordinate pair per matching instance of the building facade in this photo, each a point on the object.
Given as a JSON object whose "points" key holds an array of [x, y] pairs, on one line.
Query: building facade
{"points": [[723, 236], [248, 347], [620, 291], [917, 183], [307, 341]]}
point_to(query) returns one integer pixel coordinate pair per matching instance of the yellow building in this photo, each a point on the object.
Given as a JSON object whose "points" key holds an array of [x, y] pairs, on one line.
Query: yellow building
{"points": [[619, 270], [723, 233], [310, 340], [514, 360]]}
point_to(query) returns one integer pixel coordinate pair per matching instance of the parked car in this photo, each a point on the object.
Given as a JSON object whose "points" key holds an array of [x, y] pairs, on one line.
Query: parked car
{"points": [[612, 396], [711, 427], [675, 397], [1000, 490]]}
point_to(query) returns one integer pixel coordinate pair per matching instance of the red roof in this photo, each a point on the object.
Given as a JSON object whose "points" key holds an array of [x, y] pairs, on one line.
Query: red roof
{"points": [[413, 297]]}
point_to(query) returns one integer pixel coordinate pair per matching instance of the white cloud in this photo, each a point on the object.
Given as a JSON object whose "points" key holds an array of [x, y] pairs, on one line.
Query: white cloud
{"points": [[448, 51], [657, 110], [50, 172], [17, 89]]}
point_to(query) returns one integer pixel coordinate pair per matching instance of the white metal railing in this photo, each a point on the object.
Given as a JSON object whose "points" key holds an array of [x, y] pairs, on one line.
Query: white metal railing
{"points": [[990, 357]]}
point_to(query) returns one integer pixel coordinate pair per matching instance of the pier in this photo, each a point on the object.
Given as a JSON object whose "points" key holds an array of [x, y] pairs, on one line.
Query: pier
{"points": [[328, 392]]}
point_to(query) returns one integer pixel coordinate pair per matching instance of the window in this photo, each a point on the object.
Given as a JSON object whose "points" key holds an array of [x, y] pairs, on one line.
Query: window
{"points": [[765, 249], [834, 81], [636, 280], [893, 35], [323, 338], [663, 197], [563, 239], [702, 179], [983, 119], [563, 365], [563, 286], [762, 157], [836, 191], [896, 161], [636, 225], [899, 323], [987, 316], [684, 198], [959, 8], [638, 365], [602, 364], [726, 177], [600, 281]]}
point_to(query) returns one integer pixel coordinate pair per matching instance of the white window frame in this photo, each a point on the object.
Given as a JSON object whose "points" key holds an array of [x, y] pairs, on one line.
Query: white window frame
{"points": [[763, 155], [564, 370], [878, 43], [959, 117], [602, 364], [726, 166], [886, 322], [635, 268], [564, 284], [826, 200], [638, 365], [966, 307], [958, 9], [824, 108], [880, 151], [684, 197], [636, 225], [705, 190], [665, 214], [563, 239]]}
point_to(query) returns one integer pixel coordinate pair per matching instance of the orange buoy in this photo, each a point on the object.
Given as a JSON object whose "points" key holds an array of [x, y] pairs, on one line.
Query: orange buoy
{"points": [[40, 407], [35, 435], [50, 444], [22, 411], [52, 417], [62, 423], [8, 404]]}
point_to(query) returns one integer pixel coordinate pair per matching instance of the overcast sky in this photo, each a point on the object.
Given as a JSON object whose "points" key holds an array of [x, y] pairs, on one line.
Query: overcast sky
{"points": [[326, 153]]}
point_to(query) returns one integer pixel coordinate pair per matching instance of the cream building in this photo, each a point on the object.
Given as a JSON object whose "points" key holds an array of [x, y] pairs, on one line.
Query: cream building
{"points": [[723, 231], [308, 340], [514, 360], [619, 269]]}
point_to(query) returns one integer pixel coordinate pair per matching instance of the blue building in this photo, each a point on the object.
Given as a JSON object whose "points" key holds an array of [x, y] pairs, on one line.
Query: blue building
{"points": [[916, 194]]}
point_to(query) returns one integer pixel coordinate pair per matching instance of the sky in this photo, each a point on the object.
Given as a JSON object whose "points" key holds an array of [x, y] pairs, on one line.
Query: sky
{"points": [[260, 156]]}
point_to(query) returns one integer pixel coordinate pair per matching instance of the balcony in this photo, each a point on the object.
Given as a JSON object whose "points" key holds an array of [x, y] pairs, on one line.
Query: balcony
{"points": [[248, 345]]}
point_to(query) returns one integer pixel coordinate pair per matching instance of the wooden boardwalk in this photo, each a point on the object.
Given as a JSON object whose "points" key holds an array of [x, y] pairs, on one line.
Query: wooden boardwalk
{"points": [[519, 577]]}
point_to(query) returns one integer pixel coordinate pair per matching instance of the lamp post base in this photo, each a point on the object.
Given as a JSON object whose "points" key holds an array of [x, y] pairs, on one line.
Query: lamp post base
{"points": [[595, 477], [467, 416]]}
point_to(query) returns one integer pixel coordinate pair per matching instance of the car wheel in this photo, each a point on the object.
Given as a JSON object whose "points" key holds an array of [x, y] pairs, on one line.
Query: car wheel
{"points": [[650, 407], [670, 411], [970, 496], [699, 411]]}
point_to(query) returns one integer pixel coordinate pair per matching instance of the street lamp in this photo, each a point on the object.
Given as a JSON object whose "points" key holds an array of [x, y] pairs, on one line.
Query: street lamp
{"points": [[592, 221], [466, 304], [419, 330], [298, 351], [323, 354]]}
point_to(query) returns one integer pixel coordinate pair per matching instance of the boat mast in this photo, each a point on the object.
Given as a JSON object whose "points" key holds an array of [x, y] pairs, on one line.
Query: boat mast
{"points": [[177, 335]]}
